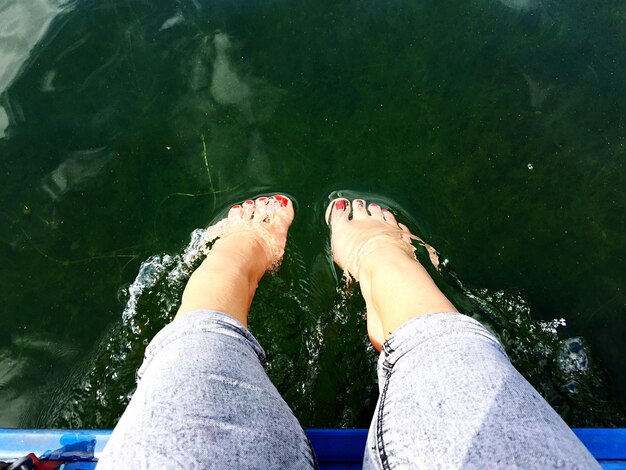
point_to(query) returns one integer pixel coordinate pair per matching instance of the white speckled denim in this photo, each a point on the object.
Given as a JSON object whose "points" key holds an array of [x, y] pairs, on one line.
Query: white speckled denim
{"points": [[449, 399], [204, 401]]}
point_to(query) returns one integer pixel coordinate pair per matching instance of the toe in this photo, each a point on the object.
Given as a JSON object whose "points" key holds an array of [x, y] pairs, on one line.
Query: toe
{"points": [[284, 207], [260, 209], [376, 211], [406, 236], [358, 209], [280, 207], [284, 201], [337, 209], [236, 212], [248, 209], [389, 218]]}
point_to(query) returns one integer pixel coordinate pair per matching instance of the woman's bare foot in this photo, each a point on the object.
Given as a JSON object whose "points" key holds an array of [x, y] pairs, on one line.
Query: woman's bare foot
{"points": [[376, 250], [253, 244]]}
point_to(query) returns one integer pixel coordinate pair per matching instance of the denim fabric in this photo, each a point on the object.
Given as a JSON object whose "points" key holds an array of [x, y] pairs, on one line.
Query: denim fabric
{"points": [[204, 401], [450, 398]]}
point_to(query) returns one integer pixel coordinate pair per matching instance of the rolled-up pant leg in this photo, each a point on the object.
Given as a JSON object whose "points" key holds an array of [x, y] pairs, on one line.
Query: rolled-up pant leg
{"points": [[450, 398], [205, 401]]}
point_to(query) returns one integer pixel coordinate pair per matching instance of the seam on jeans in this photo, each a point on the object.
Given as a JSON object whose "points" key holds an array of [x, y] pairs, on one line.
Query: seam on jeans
{"points": [[173, 336], [387, 350], [208, 325], [384, 460], [312, 458], [389, 362]]}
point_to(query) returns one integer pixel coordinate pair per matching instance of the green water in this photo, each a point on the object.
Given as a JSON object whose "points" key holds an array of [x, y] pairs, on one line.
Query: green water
{"points": [[494, 129]]}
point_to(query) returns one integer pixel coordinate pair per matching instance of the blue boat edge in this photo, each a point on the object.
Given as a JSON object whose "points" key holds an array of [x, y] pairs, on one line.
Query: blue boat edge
{"points": [[335, 448]]}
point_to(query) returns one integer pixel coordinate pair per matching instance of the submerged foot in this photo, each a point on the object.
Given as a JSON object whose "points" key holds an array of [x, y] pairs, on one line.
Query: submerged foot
{"points": [[357, 231], [252, 241], [262, 223], [376, 250]]}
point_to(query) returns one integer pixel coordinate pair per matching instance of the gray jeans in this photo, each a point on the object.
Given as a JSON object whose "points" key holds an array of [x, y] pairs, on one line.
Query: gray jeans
{"points": [[449, 398]]}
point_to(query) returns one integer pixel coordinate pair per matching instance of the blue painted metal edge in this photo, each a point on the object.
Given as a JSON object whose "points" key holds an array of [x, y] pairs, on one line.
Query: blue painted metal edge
{"points": [[604, 444], [338, 445], [331, 445]]}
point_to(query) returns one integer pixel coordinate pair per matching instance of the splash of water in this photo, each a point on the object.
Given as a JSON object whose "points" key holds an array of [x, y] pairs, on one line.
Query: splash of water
{"points": [[98, 397], [318, 353]]}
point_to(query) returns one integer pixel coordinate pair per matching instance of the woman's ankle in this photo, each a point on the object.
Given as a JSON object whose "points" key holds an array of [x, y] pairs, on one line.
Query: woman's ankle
{"points": [[399, 288], [242, 253]]}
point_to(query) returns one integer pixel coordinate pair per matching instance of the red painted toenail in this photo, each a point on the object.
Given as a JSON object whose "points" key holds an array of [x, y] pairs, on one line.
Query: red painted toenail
{"points": [[249, 201], [340, 205], [236, 206], [262, 199], [282, 199], [373, 204]]}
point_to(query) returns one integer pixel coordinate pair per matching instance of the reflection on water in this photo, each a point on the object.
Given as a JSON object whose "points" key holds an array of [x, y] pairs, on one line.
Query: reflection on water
{"points": [[4, 121], [23, 23], [494, 128], [25, 360], [521, 5], [538, 91], [75, 171]]}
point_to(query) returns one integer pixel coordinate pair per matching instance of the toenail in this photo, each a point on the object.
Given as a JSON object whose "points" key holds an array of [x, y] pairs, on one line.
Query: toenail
{"points": [[340, 205], [373, 204], [282, 199], [236, 206], [359, 202], [262, 199], [249, 201]]}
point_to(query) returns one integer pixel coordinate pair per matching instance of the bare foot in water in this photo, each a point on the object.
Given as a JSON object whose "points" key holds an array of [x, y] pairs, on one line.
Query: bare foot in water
{"points": [[253, 244], [376, 250]]}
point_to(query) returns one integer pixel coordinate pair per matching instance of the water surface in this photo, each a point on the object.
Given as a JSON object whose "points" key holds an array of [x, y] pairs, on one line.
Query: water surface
{"points": [[494, 129]]}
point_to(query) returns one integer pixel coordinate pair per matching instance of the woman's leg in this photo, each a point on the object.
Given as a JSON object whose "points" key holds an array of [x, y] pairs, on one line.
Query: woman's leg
{"points": [[449, 396], [203, 398]]}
